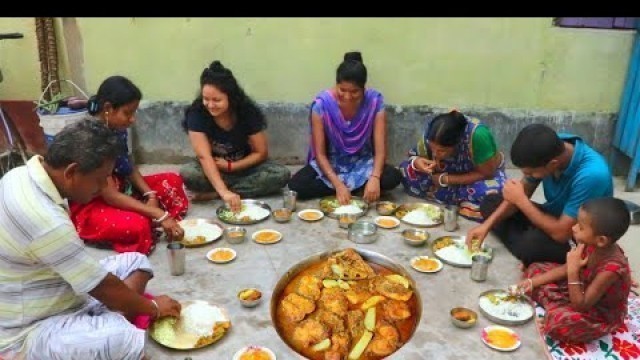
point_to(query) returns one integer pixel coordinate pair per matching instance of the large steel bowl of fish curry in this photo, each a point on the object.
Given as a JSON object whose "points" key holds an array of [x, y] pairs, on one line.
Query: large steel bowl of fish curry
{"points": [[350, 303]]}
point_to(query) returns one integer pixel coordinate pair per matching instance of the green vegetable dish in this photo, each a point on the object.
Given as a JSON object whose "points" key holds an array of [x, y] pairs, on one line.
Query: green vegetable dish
{"points": [[228, 215], [164, 330]]}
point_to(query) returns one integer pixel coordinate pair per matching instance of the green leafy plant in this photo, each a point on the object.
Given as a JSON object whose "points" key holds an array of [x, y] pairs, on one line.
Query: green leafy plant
{"points": [[51, 106]]}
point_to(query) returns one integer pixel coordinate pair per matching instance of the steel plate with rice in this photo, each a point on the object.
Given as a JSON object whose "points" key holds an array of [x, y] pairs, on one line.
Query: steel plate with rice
{"points": [[504, 309], [453, 250], [331, 207], [199, 232], [252, 212], [420, 214], [200, 324]]}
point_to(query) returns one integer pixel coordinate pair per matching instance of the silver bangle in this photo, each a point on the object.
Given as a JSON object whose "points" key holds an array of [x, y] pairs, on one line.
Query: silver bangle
{"points": [[162, 218], [413, 159], [149, 193], [440, 180]]}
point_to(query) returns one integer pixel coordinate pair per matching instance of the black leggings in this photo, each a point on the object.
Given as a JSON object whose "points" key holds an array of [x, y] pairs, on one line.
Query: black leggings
{"points": [[525, 241], [308, 185]]}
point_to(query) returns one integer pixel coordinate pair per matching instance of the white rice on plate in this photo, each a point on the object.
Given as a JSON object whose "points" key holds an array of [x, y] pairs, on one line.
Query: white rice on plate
{"points": [[418, 216], [253, 212], [199, 318], [455, 254], [505, 310], [347, 209]]}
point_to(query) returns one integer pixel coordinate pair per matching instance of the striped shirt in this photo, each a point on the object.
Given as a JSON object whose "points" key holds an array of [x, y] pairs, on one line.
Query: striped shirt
{"points": [[45, 269]]}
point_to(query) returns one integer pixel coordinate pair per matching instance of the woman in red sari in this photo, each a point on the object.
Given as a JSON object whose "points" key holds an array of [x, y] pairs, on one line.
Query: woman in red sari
{"points": [[132, 206], [586, 298]]}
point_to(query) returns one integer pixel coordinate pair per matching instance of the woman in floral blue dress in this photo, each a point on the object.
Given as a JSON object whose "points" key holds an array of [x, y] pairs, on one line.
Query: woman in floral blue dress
{"points": [[347, 149], [455, 162]]}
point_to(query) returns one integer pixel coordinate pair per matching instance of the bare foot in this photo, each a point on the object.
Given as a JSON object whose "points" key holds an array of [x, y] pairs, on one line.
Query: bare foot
{"points": [[201, 197]]}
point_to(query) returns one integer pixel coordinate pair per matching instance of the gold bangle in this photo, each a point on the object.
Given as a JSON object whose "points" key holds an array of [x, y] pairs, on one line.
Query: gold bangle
{"points": [[575, 283]]}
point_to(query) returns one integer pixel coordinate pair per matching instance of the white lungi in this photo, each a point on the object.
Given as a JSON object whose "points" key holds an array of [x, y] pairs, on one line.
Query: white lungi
{"points": [[93, 331]]}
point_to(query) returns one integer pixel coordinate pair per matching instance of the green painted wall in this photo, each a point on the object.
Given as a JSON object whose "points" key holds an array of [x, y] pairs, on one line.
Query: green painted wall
{"points": [[521, 63], [19, 60]]}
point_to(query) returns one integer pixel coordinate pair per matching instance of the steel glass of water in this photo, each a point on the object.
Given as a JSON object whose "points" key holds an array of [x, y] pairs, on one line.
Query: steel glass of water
{"points": [[289, 199], [176, 254], [451, 218], [479, 267]]}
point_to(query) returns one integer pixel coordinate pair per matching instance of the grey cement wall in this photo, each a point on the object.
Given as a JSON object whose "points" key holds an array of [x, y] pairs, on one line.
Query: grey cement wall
{"points": [[159, 139]]}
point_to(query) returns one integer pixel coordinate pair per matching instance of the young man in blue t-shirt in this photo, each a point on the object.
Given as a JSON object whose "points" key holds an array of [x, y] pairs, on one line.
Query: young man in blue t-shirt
{"points": [[571, 172]]}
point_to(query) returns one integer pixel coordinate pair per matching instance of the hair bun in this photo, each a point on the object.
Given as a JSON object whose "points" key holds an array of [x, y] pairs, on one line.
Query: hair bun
{"points": [[216, 66], [353, 56]]}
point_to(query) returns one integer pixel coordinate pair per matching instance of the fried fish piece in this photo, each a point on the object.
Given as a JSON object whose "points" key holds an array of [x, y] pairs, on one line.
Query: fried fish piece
{"points": [[309, 332], [340, 345], [332, 355], [385, 340], [395, 310], [359, 292], [295, 307], [347, 265], [355, 323], [309, 287], [390, 289], [331, 320], [334, 300]]}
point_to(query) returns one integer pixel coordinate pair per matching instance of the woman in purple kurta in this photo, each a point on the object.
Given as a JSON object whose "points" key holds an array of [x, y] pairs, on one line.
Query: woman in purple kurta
{"points": [[347, 149]]}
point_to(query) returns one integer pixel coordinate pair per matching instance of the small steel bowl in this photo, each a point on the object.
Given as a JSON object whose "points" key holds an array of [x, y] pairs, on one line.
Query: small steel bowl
{"points": [[253, 302], [415, 237], [235, 234], [386, 208], [363, 232], [282, 215], [463, 318]]}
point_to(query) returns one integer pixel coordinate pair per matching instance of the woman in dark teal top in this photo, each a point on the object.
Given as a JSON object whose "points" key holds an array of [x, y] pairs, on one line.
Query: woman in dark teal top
{"points": [[456, 161]]}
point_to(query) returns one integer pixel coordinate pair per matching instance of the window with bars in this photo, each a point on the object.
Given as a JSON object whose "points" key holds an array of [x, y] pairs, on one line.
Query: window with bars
{"points": [[619, 23]]}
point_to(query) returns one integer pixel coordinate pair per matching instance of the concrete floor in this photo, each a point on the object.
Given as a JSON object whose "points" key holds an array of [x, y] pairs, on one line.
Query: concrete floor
{"points": [[435, 337]]}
